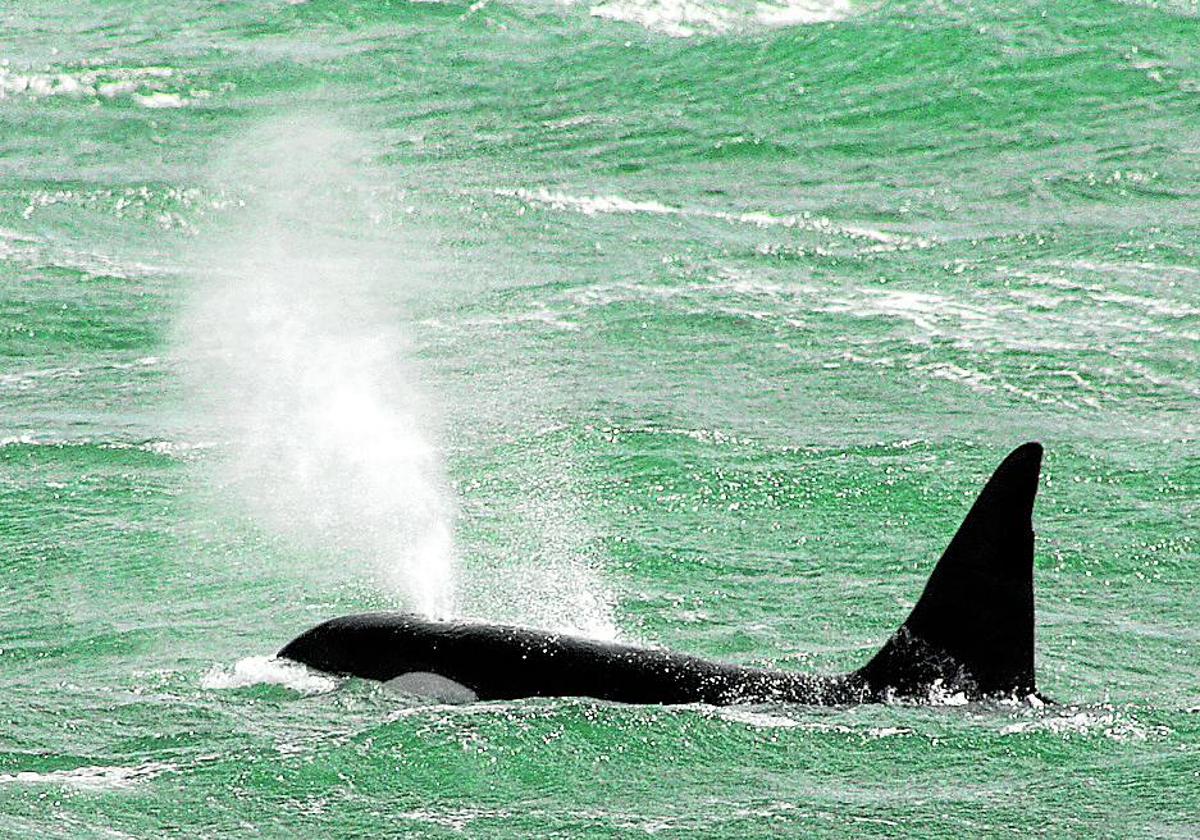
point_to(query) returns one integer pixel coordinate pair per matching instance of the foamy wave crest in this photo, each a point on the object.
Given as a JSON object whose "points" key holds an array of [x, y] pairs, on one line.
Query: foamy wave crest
{"points": [[90, 778], [142, 84], [268, 670], [592, 205], [1107, 723], [26, 380], [758, 720], [458, 819], [684, 18], [767, 720], [179, 450]]}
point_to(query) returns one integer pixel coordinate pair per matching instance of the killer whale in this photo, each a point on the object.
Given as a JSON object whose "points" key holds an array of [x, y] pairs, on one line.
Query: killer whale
{"points": [[970, 632]]}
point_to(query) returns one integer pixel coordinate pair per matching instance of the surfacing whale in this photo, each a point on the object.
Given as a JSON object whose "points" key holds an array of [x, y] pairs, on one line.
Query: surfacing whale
{"points": [[971, 632]]}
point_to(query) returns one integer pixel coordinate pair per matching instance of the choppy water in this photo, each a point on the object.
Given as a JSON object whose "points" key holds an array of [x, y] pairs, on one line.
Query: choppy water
{"points": [[690, 323]]}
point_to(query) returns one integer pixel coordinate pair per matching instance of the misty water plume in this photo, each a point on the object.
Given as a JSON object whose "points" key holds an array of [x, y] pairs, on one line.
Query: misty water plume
{"points": [[293, 349]]}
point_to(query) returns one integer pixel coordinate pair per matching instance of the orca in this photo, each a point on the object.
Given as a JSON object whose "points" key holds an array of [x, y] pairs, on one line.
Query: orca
{"points": [[971, 633]]}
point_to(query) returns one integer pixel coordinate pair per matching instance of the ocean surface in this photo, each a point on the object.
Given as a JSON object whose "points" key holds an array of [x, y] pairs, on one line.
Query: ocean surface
{"points": [[689, 323]]}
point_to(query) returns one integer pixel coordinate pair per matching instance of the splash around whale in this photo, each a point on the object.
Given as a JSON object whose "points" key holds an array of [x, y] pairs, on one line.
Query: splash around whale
{"points": [[971, 632]]}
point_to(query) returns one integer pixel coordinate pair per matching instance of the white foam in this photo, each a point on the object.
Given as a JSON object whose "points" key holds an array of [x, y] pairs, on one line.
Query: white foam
{"points": [[144, 83], [1069, 722], [457, 820], [759, 720], [90, 778], [1152, 305], [802, 12], [592, 205], [268, 670], [926, 310], [588, 205], [889, 731], [27, 440], [159, 99], [24, 379], [179, 450], [27, 379], [685, 18], [975, 380], [678, 18]]}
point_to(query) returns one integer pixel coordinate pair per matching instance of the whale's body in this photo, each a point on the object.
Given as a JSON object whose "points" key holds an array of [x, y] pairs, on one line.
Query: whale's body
{"points": [[971, 631], [497, 662]]}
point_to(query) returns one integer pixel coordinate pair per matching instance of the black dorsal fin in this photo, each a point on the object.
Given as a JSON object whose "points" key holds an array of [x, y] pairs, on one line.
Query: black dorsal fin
{"points": [[973, 625]]}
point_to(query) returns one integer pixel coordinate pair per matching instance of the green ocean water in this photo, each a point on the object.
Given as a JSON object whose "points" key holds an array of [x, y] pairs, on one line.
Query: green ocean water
{"points": [[693, 324]]}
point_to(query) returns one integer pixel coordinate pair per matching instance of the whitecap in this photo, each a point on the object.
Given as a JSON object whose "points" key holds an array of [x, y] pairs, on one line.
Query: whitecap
{"points": [[158, 99], [103, 82], [268, 670], [758, 720], [455, 819], [685, 18], [607, 204], [1105, 723], [90, 778], [888, 731], [27, 440]]}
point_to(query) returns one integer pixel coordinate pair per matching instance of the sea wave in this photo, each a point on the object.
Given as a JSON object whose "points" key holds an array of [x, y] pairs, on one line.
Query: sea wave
{"points": [[177, 450], [1073, 721], [602, 204], [268, 670], [685, 18], [22, 380], [91, 778], [759, 719], [144, 85]]}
